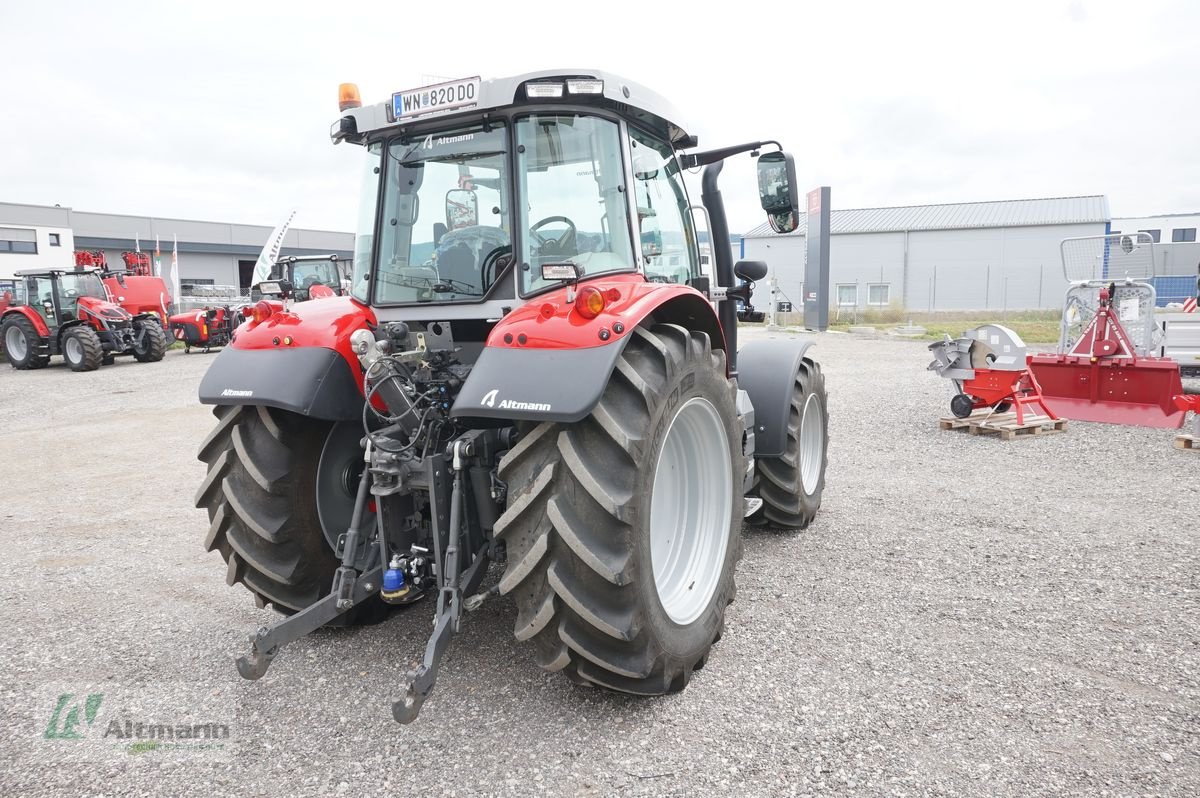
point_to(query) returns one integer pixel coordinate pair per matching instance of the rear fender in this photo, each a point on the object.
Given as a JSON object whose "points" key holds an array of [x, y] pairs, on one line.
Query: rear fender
{"points": [[316, 374], [39, 324], [767, 373], [544, 362]]}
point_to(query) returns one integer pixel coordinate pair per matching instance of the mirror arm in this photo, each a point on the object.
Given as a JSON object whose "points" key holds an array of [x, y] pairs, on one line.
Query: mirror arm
{"points": [[695, 159], [718, 234]]}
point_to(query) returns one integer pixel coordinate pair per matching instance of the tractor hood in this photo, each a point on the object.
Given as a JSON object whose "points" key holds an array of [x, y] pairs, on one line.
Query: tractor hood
{"points": [[103, 309]]}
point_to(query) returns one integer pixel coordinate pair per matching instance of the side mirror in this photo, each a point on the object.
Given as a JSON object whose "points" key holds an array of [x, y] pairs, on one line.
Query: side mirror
{"points": [[750, 270], [462, 208], [777, 191]]}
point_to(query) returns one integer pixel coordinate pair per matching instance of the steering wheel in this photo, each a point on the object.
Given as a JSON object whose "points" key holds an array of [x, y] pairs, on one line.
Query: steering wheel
{"points": [[555, 245]]}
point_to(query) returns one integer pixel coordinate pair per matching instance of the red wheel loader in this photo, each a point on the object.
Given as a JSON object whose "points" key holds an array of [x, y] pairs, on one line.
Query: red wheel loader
{"points": [[67, 313], [532, 398], [1104, 369]]}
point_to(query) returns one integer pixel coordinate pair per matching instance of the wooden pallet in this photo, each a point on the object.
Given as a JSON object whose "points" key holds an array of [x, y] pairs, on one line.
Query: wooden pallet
{"points": [[1004, 424], [1183, 441]]}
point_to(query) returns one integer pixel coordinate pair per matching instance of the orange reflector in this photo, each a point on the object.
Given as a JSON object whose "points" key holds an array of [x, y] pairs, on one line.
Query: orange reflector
{"points": [[262, 311], [589, 302], [348, 96], [287, 341]]}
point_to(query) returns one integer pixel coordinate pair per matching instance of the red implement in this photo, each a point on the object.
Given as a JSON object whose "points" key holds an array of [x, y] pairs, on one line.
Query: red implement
{"points": [[1103, 378]]}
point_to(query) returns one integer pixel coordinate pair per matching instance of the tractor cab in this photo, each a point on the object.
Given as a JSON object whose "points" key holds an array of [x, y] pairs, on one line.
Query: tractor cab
{"points": [[59, 295], [302, 277]]}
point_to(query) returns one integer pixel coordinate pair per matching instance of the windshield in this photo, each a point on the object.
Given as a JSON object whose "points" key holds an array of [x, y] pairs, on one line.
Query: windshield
{"points": [[445, 216], [575, 206], [77, 284], [310, 272]]}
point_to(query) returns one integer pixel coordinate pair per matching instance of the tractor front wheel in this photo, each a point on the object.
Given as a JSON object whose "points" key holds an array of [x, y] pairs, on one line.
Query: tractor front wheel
{"points": [[21, 343], [82, 349], [623, 530], [151, 343], [791, 484], [273, 477]]}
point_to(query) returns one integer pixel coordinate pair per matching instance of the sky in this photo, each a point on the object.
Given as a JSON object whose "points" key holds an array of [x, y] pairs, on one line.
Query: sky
{"points": [[221, 111]]}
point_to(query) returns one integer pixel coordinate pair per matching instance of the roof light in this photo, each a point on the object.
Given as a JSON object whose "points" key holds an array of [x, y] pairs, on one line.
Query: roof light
{"points": [[589, 302], [588, 86], [348, 97], [543, 90]]}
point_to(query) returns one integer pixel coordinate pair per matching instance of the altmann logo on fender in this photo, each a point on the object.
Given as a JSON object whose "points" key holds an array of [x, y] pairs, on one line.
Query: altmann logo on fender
{"points": [[235, 392], [489, 400]]}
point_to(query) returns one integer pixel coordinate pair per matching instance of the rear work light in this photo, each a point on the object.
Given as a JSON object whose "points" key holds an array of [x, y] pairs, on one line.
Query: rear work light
{"points": [[262, 311], [585, 86], [589, 302], [543, 90]]}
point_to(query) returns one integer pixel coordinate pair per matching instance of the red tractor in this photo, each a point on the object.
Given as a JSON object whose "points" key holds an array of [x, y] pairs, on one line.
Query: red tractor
{"points": [[533, 397], [67, 313], [136, 288]]}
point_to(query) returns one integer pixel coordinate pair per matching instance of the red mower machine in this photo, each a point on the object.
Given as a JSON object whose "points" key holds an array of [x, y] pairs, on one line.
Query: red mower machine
{"points": [[67, 313], [207, 328], [532, 398], [987, 366]]}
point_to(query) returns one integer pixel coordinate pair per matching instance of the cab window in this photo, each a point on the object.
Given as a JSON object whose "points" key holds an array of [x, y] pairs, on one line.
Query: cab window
{"points": [[669, 252]]}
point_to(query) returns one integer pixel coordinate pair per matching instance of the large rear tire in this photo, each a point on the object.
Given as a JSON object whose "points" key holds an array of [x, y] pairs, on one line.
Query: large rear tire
{"points": [[261, 497], [21, 344], [623, 530], [81, 348], [791, 484], [151, 345]]}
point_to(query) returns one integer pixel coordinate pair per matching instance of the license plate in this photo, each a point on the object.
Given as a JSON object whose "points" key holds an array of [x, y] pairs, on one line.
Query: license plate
{"points": [[435, 99]]}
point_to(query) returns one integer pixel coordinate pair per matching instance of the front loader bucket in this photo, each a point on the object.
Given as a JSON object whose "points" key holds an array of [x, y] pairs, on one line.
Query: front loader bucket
{"points": [[1137, 391]]}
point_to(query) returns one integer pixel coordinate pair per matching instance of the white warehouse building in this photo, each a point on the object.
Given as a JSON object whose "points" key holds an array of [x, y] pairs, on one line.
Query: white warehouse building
{"points": [[961, 256]]}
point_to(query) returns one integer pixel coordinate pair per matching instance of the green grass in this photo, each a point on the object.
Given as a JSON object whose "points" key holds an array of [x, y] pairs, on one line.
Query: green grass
{"points": [[1034, 326]]}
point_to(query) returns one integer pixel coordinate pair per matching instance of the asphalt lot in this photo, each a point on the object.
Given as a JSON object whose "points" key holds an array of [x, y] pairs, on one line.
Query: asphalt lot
{"points": [[966, 617]]}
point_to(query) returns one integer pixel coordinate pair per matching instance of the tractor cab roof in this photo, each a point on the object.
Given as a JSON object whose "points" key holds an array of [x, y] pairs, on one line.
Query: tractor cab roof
{"points": [[52, 271], [469, 97]]}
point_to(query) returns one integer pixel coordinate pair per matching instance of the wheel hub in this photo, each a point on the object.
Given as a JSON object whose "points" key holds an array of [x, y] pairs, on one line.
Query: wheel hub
{"points": [[812, 443], [690, 505], [73, 350], [15, 344]]}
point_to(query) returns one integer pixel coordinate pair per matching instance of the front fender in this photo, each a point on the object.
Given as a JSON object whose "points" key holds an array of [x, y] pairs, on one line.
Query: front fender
{"points": [[767, 373]]}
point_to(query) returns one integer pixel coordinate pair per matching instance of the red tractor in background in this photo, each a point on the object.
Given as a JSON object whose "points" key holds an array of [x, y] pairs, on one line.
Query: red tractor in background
{"points": [[68, 313], [136, 288]]}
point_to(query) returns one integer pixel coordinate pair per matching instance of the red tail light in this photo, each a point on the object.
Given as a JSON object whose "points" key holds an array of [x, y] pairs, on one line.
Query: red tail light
{"points": [[261, 312], [589, 302]]}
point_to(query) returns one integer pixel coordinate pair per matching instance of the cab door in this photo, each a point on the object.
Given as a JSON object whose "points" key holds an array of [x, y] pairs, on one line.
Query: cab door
{"points": [[43, 299]]}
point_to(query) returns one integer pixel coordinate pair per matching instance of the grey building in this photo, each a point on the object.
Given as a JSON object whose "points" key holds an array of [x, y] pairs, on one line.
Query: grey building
{"points": [[210, 253], [960, 256]]}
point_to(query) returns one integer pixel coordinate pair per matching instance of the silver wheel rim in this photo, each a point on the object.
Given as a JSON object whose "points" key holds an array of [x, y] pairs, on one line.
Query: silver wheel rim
{"points": [[338, 472], [690, 505], [73, 350], [812, 443], [14, 342]]}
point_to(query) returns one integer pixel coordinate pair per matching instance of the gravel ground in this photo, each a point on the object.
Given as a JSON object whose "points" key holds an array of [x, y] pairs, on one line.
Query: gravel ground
{"points": [[967, 616]]}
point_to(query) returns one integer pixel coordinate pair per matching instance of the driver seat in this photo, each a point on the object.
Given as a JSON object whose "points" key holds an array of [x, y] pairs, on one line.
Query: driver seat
{"points": [[458, 263]]}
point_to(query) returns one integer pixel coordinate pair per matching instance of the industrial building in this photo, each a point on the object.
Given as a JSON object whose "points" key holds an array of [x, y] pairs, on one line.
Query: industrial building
{"points": [[210, 253], [961, 256]]}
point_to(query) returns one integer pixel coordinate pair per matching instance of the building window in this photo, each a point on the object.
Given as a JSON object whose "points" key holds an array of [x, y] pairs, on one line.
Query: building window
{"points": [[1183, 235], [879, 294], [1155, 235], [55, 241], [18, 240], [847, 295]]}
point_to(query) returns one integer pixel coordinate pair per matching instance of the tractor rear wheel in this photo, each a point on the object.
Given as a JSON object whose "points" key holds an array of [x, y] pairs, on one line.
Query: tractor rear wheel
{"points": [[272, 477], [623, 530], [791, 484], [21, 343], [151, 345], [82, 349]]}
